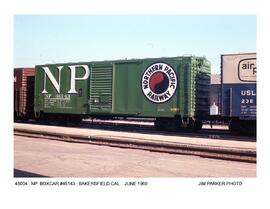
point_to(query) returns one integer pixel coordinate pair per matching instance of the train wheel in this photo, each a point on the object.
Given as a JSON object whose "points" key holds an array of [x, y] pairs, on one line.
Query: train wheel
{"points": [[167, 124], [245, 127], [234, 126], [194, 124], [76, 120], [160, 124], [197, 125]]}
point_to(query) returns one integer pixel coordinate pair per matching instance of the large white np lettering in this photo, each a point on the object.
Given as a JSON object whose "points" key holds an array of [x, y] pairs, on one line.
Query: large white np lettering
{"points": [[52, 79], [73, 77]]}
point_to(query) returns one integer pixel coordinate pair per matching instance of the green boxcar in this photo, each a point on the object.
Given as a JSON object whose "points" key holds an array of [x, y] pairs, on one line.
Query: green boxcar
{"points": [[163, 88]]}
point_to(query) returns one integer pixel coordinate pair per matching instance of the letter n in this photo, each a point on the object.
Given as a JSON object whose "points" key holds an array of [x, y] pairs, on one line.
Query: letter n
{"points": [[48, 73]]}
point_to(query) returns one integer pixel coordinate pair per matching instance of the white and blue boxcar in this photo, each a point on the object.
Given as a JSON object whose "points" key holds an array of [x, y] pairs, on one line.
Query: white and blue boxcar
{"points": [[238, 91]]}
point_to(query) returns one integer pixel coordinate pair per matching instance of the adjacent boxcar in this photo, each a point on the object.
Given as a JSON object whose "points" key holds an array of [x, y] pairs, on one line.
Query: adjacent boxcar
{"points": [[24, 79], [238, 75], [174, 90]]}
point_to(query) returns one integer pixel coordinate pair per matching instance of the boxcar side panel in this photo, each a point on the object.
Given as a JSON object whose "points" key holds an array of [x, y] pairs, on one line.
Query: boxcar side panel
{"points": [[202, 71], [139, 92], [127, 93], [156, 87], [62, 88], [101, 85]]}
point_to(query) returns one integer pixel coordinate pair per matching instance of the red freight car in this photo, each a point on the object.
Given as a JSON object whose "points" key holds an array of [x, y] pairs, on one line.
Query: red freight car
{"points": [[24, 82]]}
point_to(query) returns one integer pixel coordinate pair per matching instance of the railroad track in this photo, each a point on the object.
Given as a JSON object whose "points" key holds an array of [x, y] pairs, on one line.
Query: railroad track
{"points": [[243, 155], [219, 152], [148, 128]]}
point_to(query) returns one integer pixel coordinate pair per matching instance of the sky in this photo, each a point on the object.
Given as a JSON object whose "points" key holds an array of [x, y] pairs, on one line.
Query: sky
{"points": [[43, 39]]}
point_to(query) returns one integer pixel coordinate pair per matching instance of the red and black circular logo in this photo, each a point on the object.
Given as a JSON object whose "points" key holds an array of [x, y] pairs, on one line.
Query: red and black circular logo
{"points": [[159, 82]]}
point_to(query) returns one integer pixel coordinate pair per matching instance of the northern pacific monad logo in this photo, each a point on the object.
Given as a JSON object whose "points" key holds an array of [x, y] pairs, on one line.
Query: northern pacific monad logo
{"points": [[159, 82]]}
